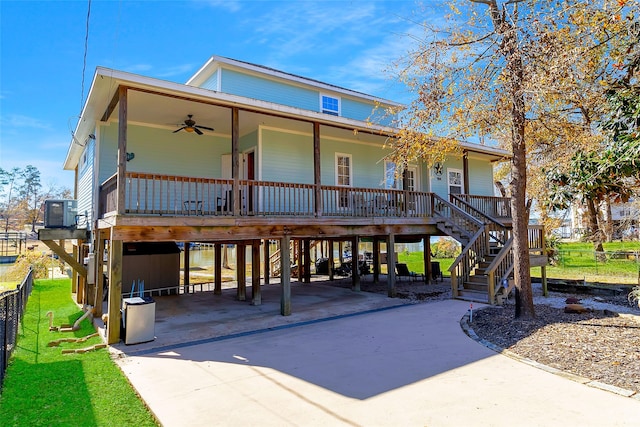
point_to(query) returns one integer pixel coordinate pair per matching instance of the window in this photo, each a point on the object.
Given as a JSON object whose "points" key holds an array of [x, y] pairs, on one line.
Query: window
{"points": [[455, 181], [330, 105], [411, 179], [343, 178], [390, 181], [343, 169]]}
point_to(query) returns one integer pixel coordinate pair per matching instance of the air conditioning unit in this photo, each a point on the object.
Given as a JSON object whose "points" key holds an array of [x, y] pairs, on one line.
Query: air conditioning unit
{"points": [[60, 213]]}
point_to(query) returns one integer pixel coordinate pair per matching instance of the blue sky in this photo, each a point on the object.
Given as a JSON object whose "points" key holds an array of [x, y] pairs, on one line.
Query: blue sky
{"points": [[347, 43]]}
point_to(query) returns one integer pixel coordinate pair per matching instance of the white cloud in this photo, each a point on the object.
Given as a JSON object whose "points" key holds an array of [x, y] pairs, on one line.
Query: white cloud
{"points": [[228, 5], [21, 121], [177, 70]]}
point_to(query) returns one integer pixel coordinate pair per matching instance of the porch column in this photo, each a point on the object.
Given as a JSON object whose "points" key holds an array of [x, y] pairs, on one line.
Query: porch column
{"points": [[330, 256], [285, 277], [187, 262], [465, 171], [405, 191], [376, 259], [299, 261], [267, 261], [256, 295], [99, 279], [391, 265], [235, 159], [217, 290], [355, 271], [115, 290], [317, 195], [122, 149], [74, 274], [307, 260], [81, 295], [426, 245], [241, 271]]}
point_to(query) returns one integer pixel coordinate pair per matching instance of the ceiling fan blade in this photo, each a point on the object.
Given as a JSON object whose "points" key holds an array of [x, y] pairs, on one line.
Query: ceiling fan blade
{"points": [[179, 129], [198, 131], [205, 128]]}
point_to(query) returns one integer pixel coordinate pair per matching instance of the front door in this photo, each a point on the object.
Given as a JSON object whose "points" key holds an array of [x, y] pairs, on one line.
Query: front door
{"points": [[455, 180]]}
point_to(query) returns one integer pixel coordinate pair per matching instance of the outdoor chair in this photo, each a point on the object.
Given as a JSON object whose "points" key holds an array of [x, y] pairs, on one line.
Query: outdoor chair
{"points": [[403, 271]]}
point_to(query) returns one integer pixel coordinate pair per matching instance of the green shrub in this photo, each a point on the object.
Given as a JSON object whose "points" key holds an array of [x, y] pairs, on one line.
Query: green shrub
{"points": [[40, 262], [445, 248]]}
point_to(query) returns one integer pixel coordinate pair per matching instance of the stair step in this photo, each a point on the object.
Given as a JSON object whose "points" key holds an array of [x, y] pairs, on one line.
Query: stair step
{"points": [[476, 286], [474, 296]]}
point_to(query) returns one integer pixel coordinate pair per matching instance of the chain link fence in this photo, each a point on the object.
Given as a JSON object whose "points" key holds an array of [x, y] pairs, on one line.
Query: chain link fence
{"points": [[12, 305], [616, 267]]}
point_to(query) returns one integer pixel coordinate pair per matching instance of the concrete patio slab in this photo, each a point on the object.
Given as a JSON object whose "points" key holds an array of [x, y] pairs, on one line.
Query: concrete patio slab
{"points": [[411, 365]]}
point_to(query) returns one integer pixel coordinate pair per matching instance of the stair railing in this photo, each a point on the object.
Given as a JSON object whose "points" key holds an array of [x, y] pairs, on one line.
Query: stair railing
{"points": [[498, 231], [499, 270], [468, 259], [456, 217]]}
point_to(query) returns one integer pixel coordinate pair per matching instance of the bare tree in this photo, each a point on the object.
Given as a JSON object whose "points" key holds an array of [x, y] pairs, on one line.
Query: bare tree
{"points": [[524, 73]]}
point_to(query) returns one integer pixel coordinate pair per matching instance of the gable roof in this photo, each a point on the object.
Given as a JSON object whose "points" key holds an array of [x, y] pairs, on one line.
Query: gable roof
{"points": [[216, 62]]}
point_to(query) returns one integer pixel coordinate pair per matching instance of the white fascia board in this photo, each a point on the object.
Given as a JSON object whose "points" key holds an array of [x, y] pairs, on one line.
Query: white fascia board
{"points": [[485, 149]]}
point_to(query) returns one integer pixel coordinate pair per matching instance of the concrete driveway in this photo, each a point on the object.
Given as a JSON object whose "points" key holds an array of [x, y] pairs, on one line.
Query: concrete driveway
{"points": [[397, 366]]}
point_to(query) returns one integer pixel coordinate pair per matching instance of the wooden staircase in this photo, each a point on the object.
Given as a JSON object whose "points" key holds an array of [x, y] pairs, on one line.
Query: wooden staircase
{"points": [[275, 266], [482, 270]]}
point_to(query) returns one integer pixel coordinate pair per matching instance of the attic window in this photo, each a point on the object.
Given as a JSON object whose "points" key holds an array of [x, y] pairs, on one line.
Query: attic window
{"points": [[330, 105]]}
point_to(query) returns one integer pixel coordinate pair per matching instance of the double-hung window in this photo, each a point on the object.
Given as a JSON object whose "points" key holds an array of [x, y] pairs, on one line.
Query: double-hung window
{"points": [[330, 105]]}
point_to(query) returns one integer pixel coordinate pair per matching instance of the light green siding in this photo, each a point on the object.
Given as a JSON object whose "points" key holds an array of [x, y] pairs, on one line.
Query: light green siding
{"points": [[364, 111], [287, 157], [439, 184], [269, 90], [480, 177], [212, 82], [367, 162], [85, 185], [164, 152]]}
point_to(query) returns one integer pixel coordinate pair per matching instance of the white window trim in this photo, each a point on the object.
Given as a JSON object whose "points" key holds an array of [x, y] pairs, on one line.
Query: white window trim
{"points": [[416, 177], [350, 169], [385, 181], [461, 180], [333, 97]]}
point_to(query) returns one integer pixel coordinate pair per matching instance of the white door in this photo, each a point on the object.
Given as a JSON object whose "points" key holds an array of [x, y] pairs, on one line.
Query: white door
{"points": [[455, 180]]}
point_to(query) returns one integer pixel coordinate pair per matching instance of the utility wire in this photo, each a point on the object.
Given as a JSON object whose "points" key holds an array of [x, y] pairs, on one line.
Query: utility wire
{"points": [[84, 59]]}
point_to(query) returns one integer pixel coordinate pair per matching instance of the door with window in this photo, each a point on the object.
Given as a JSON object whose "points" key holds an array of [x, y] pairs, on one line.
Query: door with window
{"points": [[455, 180], [343, 178], [412, 185]]}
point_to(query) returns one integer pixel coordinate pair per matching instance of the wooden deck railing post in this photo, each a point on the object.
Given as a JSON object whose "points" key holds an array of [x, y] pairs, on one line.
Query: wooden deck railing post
{"points": [[317, 191], [122, 149]]}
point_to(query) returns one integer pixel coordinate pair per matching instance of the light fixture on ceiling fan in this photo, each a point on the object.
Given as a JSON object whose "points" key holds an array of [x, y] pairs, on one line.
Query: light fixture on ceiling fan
{"points": [[190, 125]]}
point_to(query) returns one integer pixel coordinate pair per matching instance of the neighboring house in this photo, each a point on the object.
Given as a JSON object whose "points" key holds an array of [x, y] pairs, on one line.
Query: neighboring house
{"points": [[625, 219], [290, 160]]}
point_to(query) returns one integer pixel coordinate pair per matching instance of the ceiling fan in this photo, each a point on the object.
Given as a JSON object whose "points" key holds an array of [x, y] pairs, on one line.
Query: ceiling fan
{"points": [[190, 126]]}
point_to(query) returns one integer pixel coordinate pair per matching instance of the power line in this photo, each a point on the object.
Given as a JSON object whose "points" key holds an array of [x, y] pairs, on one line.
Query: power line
{"points": [[84, 59]]}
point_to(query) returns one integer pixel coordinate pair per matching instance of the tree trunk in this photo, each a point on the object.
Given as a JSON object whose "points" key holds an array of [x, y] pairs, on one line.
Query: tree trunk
{"points": [[514, 76], [608, 226], [595, 235]]}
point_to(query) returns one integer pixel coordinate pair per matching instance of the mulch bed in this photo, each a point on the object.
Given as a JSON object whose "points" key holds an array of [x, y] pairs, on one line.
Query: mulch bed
{"points": [[600, 345]]}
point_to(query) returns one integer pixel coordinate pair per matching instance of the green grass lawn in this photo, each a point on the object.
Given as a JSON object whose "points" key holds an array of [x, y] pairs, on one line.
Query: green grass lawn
{"points": [[415, 262], [576, 261], [44, 387]]}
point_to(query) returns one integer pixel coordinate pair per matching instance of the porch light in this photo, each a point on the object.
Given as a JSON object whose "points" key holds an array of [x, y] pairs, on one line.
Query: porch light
{"points": [[130, 156]]}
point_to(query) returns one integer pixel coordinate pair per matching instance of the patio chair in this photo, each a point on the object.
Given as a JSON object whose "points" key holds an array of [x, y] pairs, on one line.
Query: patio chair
{"points": [[403, 271]]}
